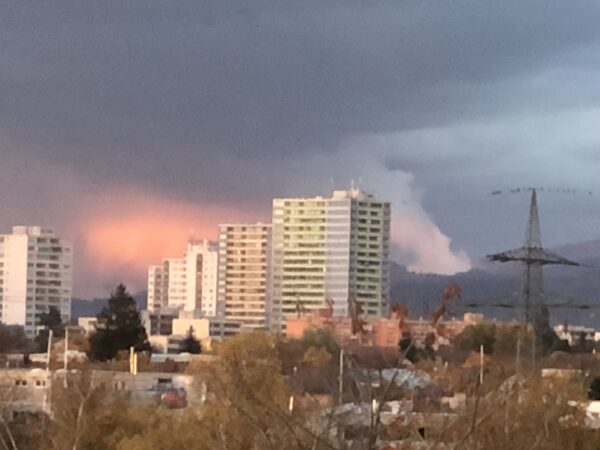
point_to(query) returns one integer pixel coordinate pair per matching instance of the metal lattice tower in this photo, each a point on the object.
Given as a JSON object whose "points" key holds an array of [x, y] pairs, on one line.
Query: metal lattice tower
{"points": [[534, 257]]}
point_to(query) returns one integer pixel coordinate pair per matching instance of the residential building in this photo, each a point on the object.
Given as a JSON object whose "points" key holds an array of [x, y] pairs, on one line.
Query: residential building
{"points": [[87, 324], [158, 284], [166, 328], [28, 391], [244, 274], [379, 331], [202, 260], [321, 319], [328, 251], [24, 391], [36, 272], [176, 284], [188, 283], [220, 328], [159, 322], [576, 334], [199, 327]]}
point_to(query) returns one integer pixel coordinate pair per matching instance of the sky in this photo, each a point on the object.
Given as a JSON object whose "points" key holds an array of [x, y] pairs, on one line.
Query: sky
{"points": [[128, 126]]}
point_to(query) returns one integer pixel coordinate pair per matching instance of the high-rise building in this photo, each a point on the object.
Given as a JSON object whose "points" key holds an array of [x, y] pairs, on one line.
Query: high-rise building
{"points": [[36, 272], [328, 252], [157, 287], [188, 283], [244, 278]]}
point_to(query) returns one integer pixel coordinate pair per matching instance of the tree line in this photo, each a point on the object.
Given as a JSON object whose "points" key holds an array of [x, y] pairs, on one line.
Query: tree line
{"points": [[119, 327]]}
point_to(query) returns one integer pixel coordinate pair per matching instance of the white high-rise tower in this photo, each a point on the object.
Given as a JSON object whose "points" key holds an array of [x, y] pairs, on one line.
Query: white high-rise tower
{"points": [[188, 283], [36, 272]]}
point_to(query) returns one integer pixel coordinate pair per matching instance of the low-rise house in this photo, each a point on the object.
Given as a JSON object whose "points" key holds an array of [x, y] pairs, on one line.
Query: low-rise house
{"points": [[576, 334], [24, 391], [146, 387], [383, 331], [29, 391], [159, 323], [87, 324]]}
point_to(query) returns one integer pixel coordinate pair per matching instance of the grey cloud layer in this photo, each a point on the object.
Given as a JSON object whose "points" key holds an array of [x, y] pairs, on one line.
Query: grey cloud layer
{"points": [[221, 99]]}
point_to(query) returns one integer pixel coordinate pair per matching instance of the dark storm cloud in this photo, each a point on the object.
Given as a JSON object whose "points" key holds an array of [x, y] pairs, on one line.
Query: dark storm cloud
{"points": [[230, 103], [177, 92]]}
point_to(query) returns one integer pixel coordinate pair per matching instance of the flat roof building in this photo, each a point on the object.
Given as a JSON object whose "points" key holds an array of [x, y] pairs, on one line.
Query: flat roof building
{"points": [[328, 251], [36, 272], [244, 274], [188, 283]]}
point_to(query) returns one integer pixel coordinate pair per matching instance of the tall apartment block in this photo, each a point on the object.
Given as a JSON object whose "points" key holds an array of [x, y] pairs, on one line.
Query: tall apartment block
{"points": [[330, 250], [36, 272], [157, 287], [244, 274], [188, 283]]}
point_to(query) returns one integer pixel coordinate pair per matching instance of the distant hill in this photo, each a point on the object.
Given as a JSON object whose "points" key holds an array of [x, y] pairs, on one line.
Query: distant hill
{"points": [[487, 283], [81, 307], [493, 283]]}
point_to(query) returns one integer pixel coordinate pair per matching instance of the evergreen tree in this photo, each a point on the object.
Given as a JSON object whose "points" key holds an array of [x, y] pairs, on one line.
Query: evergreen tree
{"points": [[13, 339], [407, 347], [594, 389], [119, 327], [50, 320], [190, 344]]}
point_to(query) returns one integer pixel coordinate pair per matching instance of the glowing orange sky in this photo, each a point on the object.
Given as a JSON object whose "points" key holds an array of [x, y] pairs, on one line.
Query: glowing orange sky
{"points": [[143, 230], [118, 230]]}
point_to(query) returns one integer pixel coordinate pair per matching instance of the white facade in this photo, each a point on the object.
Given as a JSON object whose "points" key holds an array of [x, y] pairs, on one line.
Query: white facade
{"points": [[244, 274], [157, 287], [200, 327], [36, 272], [188, 283], [87, 324], [330, 249], [177, 284], [202, 259]]}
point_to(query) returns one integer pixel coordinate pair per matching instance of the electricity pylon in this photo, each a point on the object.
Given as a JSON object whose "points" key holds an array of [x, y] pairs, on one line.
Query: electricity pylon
{"points": [[534, 257]]}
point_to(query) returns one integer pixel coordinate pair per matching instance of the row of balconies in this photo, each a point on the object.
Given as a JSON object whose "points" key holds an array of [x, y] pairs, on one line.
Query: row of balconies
{"points": [[45, 282], [44, 240], [293, 295], [55, 249], [249, 291], [244, 260], [234, 269], [319, 277]]}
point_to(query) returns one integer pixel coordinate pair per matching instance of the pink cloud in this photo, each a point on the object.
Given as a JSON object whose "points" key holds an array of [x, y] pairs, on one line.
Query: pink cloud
{"points": [[123, 232]]}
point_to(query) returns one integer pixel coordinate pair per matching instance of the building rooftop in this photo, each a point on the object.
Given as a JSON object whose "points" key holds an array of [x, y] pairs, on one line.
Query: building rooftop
{"points": [[340, 194], [34, 230]]}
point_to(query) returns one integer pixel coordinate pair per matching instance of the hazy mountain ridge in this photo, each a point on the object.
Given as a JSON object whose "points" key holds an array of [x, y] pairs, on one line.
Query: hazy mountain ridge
{"points": [[494, 283], [81, 307], [488, 283]]}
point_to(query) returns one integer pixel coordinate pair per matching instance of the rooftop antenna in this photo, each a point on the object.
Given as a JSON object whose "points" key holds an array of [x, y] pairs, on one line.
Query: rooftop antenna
{"points": [[534, 257], [191, 239]]}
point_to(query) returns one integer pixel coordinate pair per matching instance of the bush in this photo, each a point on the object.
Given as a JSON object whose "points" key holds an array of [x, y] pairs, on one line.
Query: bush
{"points": [[474, 336]]}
